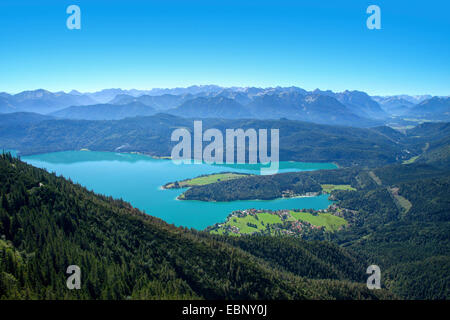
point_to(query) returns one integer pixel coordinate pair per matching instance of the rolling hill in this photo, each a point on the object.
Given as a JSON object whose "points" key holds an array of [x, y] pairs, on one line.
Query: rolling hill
{"points": [[299, 141], [105, 111]]}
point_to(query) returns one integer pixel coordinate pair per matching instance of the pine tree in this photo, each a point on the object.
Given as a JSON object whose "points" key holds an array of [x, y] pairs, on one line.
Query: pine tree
{"points": [[4, 202]]}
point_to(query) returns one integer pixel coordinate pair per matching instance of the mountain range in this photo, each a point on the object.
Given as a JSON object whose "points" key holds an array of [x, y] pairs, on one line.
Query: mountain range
{"points": [[436, 108], [41, 101], [349, 108]]}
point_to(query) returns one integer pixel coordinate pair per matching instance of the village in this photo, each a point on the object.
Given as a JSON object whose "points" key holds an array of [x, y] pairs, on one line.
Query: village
{"points": [[304, 223]]}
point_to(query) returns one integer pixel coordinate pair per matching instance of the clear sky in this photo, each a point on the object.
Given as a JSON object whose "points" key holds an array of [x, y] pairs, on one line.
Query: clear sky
{"points": [[145, 44]]}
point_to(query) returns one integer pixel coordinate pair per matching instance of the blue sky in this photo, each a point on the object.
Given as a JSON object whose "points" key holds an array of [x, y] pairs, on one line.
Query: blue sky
{"points": [[145, 44]]}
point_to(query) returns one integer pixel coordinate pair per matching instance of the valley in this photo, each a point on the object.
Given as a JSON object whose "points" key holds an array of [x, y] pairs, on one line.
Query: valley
{"points": [[344, 197]]}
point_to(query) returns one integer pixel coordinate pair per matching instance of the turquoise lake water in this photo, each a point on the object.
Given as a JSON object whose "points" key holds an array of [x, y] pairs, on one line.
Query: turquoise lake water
{"points": [[138, 180]]}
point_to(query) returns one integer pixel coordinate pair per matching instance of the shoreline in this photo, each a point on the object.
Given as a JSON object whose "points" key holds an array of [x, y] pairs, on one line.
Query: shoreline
{"points": [[279, 198]]}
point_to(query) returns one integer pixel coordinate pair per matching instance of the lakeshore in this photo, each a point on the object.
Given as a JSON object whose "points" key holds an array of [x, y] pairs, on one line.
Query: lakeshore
{"points": [[137, 179]]}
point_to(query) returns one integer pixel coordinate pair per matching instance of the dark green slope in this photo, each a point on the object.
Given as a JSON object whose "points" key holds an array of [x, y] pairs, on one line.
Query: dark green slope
{"points": [[407, 239], [399, 219], [48, 223], [403, 224], [410, 277], [312, 259]]}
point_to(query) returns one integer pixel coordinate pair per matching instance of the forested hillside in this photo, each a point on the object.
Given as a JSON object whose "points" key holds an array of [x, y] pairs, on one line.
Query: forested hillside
{"points": [[399, 216], [48, 223], [299, 141], [404, 229], [403, 223]]}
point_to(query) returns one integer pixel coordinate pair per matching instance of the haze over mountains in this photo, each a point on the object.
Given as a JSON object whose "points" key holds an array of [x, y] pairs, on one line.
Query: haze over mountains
{"points": [[41, 101], [349, 108], [105, 111]]}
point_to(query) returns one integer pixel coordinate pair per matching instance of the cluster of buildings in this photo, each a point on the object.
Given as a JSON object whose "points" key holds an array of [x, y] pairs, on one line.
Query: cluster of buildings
{"points": [[284, 214], [293, 227]]}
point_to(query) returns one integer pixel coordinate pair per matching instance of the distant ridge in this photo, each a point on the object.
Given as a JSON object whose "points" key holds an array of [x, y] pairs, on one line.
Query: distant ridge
{"points": [[348, 108], [105, 111], [215, 107], [301, 141], [435, 108]]}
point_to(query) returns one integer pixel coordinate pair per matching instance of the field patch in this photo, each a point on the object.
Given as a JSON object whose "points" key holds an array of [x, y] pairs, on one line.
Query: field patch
{"points": [[327, 220], [327, 188], [411, 160]]}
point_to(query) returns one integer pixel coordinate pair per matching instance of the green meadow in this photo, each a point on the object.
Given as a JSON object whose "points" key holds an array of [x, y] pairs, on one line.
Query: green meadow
{"points": [[261, 221], [206, 179], [327, 220], [411, 160], [327, 188]]}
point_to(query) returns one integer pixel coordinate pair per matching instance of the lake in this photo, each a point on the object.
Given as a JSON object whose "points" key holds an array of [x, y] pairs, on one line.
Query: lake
{"points": [[138, 179]]}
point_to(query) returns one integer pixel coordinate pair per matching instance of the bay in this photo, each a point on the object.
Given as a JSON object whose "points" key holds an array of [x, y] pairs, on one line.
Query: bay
{"points": [[138, 179]]}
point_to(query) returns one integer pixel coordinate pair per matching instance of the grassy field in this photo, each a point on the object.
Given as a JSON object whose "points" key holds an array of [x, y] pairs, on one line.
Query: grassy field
{"points": [[403, 202], [260, 221], [327, 188], [329, 221], [410, 160], [204, 180]]}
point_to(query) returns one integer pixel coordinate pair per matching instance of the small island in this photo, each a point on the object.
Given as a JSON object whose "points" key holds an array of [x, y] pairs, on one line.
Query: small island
{"points": [[232, 186]]}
